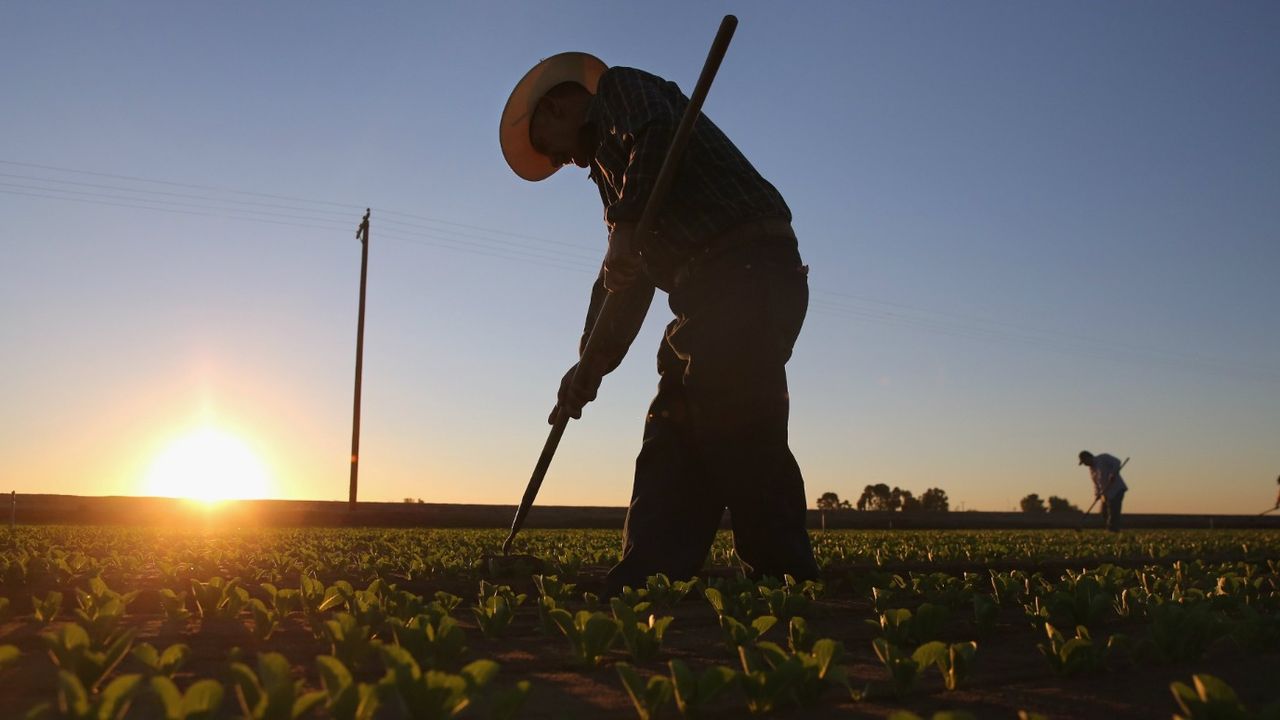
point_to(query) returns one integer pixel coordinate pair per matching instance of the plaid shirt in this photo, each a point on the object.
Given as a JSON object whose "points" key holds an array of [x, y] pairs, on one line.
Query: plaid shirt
{"points": [[635, 115]]}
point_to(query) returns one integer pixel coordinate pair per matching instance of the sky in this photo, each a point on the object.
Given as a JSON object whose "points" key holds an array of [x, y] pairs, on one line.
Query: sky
{"points": [[1033, 228]]}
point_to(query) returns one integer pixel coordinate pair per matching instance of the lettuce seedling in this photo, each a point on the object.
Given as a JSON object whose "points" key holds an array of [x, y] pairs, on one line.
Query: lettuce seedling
{"points": [[590, 634], [693, 692], [158, 663], [46, 609], [647, 697], [174, 605], [345, 699], [9, 654], [434, 643], [431, 694], [953, 661], [799, 638], [201, 701], [985, 612], [350, 640], [1213, 699], [493, 616], [271, 693], [643, 640], [1078, 654], [76, 702], [72, 650], [737, 635], [903, 669]]}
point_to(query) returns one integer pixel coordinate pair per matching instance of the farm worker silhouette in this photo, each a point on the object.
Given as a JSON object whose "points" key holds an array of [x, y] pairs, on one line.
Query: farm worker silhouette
{"points": [[1277, 493], [1104, 469], [725, 253]]}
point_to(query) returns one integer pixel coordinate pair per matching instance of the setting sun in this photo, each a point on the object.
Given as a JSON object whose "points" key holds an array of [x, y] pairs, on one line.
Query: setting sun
{"points": [[209, 465]]}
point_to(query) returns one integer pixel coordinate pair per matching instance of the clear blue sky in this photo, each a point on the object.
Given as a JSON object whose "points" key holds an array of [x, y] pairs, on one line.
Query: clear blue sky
{"points": [[1033, 228]]}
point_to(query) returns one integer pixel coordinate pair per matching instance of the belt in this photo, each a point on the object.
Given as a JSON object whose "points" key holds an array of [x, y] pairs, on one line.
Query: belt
{"points": [[741, 236]]}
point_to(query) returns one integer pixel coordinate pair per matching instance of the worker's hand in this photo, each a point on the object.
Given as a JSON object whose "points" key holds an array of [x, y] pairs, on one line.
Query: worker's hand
{"points": [[576, 390], [622, 261]]}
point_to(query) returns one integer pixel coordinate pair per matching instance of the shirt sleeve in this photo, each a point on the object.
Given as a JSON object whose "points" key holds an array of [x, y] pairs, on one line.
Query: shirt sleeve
{"points": [[640, 112]]}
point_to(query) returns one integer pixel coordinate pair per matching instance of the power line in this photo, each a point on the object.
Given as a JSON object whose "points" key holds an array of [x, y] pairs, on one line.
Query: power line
{"points": [[518, 247]]}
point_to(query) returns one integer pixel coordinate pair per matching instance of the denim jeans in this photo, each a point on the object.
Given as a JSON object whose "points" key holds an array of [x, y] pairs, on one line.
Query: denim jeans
{"points": [[1111, 511], [715, 436]]}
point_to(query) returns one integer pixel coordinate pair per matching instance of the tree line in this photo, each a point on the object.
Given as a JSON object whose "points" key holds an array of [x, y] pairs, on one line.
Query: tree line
{"points": [[1033, 504], [881, 497]]}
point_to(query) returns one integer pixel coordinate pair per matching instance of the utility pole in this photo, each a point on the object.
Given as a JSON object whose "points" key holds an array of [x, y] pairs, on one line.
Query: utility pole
{"points": [[362, 234]]}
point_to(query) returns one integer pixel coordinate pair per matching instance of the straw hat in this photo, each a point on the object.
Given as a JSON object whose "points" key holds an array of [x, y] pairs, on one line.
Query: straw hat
{"points": [[513, 133]]}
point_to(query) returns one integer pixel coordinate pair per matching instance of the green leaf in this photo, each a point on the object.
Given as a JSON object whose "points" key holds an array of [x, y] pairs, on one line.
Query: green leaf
{"points": [[1212, 689], [8, 655], [506, 704], [303, 703], [763, 623], [480, 672], [72, 695], [118, 692], [164, 689], [202, 699], [931, 653], [713, 681], [146, 654]]}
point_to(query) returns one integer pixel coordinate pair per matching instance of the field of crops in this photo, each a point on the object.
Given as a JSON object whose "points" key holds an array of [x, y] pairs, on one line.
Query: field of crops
{"points": [[367, 623]]}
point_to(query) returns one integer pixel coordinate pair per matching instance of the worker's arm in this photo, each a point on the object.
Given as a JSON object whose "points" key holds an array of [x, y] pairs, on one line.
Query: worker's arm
{"points": [[627, 310]]}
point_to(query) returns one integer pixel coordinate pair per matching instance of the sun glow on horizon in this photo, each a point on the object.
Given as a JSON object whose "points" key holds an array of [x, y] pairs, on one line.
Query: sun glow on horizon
{"points": [[209, 465]]}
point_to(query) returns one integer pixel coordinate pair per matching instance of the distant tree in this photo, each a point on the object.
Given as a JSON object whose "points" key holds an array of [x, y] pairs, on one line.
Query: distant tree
{"points": [[910, 503], [934, 500], [876, 497], [832, 501], [1032, 504], [1061, 505]]}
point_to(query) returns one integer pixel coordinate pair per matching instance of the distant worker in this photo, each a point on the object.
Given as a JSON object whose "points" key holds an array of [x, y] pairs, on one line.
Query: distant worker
{"points": [[725, 253], [1108, 486], [1277, 493]]}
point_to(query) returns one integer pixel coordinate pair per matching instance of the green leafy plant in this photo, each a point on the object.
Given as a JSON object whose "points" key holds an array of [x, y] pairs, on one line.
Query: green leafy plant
{"points": [[665, 594], [158, 663], [693, 692], [201, 701], [590, 634], [493, 616], [271, 693], [76, 702], [953, 661], [903, 668], [799, 638], [72, 650], [985, 612], [219, 599], [643, 640], [434, 643], [9, 654], [345, 699], [1071, 656], [434, 694], [810, 673], [647, 697], [46, 609], [737, 635], [1209, 698], [1181, 631], [351, 641], [265, 619], [174, 605]]}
